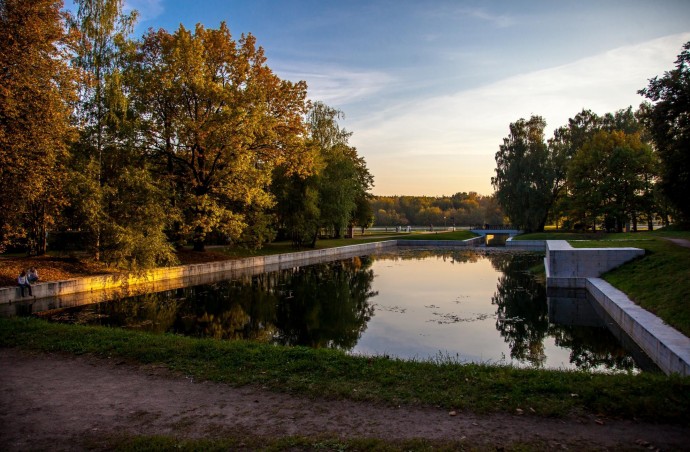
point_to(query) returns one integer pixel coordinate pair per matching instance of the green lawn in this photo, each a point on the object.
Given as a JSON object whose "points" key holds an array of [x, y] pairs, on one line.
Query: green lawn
{"points": [[659, 281]]}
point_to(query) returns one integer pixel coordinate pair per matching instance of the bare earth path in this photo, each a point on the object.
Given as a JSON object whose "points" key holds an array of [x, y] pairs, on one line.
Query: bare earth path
{"points": [[56, 402]]}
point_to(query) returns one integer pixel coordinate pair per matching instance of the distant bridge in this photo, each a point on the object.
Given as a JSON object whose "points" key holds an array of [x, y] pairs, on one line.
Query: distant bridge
{"points": [[492, 229]]}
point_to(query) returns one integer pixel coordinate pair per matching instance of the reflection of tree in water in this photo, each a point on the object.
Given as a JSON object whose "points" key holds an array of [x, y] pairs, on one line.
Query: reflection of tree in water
{"points": [[522, 315], [592, 348], [522, 320], [323, 305], [328, 304], [452, 255]]}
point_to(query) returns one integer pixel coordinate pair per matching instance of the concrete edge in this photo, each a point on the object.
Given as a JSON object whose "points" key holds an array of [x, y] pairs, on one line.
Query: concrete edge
{"points": [[126, 281], [665, 345], [531, 245]]}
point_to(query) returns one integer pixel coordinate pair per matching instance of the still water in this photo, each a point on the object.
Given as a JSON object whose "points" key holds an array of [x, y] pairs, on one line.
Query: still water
{"points": [[459, 304]]}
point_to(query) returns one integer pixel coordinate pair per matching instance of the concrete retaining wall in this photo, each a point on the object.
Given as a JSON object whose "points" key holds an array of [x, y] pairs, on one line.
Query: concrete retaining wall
{"points": [[666, 346], [564, 261], [530, 245], [580, 268], [125, 282]]}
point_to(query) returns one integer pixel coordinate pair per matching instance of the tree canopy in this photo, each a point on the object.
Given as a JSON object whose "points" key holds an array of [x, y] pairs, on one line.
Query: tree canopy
{"points": [[174, 138], [37, 90], [668, 120]]}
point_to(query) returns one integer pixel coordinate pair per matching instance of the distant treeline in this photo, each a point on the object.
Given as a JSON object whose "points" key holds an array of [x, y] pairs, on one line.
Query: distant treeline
{"points": [[461, 209]]}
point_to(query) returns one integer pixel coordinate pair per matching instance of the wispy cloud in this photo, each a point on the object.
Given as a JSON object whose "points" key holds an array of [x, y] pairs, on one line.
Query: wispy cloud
{"points": [[473, 123], [334, 85], [498, 20]]}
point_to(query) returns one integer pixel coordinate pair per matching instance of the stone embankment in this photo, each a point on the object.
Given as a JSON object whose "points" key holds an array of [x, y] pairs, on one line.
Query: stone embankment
{"points": [[580, 268]]}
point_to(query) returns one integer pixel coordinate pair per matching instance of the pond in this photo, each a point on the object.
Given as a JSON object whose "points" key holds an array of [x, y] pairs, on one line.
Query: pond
{"points": [[454, 304]]}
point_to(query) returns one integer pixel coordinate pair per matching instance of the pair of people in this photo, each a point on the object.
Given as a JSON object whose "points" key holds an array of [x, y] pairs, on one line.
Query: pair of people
{"points": [[25, 280]]}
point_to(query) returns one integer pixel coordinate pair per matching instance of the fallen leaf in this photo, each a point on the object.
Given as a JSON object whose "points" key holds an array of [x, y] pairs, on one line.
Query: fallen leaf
{"points": [[453, 413], [518, 411]]}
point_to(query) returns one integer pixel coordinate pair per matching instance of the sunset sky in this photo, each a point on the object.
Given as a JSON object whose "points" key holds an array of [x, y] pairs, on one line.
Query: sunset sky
{"points": [[429, 88]]}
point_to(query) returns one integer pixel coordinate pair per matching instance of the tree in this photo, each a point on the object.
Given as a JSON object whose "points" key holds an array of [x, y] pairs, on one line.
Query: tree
{"points": [[103, 30], [36, 89], [344, 177], [216, 122], [608, 178], [669, 123], [527, 180]]}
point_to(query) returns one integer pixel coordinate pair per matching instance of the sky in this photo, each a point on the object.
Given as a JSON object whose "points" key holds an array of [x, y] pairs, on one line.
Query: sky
{"points": [[429, 88]]}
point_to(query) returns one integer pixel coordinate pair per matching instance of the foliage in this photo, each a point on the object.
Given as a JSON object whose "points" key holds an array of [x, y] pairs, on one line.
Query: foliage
{"points": [[216, 122], [601, 170], [37, 87], [461, 209], [668, 120], [609, 177], [527, 179], [333, 197]]}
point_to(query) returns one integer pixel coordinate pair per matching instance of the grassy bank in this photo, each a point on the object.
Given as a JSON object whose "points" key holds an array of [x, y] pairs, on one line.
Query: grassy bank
{"points": [[659, 281], [298, 370]]}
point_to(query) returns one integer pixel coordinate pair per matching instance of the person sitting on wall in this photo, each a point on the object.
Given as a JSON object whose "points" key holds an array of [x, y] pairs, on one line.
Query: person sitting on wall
{"points": [[23, 282], [32, 275]]}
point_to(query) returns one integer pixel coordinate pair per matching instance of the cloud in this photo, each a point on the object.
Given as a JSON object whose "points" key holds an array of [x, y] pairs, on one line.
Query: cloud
{"points": [[336, 86], [499, 21], [473, 123], [475, 120]]}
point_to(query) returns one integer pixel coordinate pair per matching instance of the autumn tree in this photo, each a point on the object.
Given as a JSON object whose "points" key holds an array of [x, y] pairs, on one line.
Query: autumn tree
{"points": [[669, 123], [216, 122], [527, 179], [36, 89]]}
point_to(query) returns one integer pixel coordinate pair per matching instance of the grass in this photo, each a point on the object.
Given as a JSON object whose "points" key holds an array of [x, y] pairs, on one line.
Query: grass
{"points": [[659, 281], [334, 374]]}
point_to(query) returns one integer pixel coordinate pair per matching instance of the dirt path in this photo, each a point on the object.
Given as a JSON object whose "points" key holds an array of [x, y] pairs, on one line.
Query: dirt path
{"points": [[57, 402], [680, 242]]}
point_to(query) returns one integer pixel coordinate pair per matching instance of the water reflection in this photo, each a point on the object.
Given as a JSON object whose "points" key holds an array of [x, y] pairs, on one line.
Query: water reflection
{"points": [[414, 304], [323, 305]]}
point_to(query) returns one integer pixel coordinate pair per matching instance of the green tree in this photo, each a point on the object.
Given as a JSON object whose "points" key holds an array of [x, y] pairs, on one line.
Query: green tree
{"points": [[36, 89], [103, 30], [669, 123], [527, 180], [216, 122], [343, 177], [608, 178]]}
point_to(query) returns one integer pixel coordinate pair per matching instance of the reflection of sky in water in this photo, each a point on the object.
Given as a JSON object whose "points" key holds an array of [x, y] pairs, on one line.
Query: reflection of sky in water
{"points": [[431, 306]]}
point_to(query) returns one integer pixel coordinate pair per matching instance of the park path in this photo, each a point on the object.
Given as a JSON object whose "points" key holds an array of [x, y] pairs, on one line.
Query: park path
{"points": [[61, 402], [680, 242]]}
